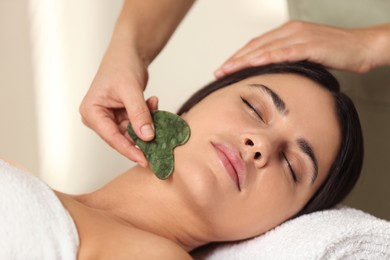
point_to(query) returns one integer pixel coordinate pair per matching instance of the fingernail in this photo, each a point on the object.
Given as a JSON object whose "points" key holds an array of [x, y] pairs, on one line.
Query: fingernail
{"points": [[219, 73], [147, 130]]}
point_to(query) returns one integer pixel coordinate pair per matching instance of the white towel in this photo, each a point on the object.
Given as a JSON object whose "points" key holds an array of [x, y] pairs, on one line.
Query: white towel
{"points": [[33, 222], [343, 233]]}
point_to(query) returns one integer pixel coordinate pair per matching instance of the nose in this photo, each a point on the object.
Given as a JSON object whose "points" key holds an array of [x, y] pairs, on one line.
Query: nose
{"points": [[257, 150]]}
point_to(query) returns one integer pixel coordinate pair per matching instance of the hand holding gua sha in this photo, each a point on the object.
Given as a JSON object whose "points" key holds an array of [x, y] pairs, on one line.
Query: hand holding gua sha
{"points": [[170, 131]]}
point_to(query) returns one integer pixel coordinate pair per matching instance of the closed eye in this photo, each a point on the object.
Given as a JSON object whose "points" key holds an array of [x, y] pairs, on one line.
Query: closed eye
{"points": [[293, 175], [246, 102]]}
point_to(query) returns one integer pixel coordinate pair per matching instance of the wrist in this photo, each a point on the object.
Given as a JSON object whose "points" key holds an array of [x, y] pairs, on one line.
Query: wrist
{"points": [[126, 41], [381, 45]]}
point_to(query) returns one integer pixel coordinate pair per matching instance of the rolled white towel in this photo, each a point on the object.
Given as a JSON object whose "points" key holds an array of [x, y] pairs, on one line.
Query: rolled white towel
{"points": [[342, 233], [33, 222]]}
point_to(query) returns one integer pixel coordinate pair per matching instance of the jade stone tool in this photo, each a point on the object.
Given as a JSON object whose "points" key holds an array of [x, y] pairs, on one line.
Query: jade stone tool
{"points": [[170, 131]]}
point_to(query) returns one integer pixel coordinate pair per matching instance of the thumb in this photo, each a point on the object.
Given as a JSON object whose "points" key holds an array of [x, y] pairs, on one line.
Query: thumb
{"points": [[139, 115]]}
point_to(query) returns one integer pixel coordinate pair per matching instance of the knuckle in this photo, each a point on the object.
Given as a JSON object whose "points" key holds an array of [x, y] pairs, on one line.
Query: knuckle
{"points": [[82, 109], [84, 115], [287, 51], [252, 42], [84, 121], [242, 60], [280, 55], [140, 113], [268, 56]]}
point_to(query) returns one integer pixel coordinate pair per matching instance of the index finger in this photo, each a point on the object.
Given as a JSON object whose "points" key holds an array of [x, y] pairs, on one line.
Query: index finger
{"points": [[106, 128], [257, 42]]}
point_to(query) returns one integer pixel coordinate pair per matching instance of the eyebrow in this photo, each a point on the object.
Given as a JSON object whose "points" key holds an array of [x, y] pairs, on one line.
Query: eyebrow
{"points": [[303, 144], [306, 148], [278, 102]]}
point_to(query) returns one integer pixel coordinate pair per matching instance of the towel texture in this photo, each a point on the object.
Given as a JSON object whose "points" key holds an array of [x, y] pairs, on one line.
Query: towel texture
{"points": [[343, 233], [33, 222]]}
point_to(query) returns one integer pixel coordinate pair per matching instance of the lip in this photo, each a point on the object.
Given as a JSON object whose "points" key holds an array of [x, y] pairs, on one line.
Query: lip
{"points": [[232, 162]]}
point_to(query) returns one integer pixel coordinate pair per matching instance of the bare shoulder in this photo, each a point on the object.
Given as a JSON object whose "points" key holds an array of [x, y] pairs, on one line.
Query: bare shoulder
{"points": [[103, 238]]}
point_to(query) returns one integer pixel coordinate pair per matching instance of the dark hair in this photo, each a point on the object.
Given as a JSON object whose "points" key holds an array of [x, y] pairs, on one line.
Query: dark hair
{"points": [[346, 168]]}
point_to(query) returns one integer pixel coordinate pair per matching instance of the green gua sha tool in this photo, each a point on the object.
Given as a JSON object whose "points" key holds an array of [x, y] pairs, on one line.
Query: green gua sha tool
{"points": [[170, 131]]}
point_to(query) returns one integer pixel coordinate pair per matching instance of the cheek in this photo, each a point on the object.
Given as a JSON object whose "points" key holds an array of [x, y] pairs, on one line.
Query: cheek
{"points": [[193, 173], [267, 203], [271, 201]]}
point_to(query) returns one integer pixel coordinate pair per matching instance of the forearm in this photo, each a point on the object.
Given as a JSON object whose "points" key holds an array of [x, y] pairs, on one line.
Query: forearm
{"points": [[146, 25]]}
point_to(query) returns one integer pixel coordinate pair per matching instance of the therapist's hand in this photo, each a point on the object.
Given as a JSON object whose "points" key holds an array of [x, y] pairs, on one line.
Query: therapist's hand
{"points": [[356, 50], [116, 98]]}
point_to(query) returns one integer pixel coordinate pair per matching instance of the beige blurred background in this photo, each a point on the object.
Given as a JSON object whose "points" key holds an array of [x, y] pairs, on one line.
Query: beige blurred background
{"points": [[50, 51]]}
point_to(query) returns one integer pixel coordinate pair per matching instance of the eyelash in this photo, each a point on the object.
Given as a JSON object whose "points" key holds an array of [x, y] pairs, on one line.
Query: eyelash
{"points": [[251, 107], [294, 176]]}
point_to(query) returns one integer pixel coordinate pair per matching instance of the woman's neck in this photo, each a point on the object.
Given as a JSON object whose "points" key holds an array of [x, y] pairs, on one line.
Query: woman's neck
{"points": [[139, 199]]}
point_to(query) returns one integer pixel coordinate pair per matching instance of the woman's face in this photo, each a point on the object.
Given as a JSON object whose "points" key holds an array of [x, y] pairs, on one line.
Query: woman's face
{"points": [[259, 150]]}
